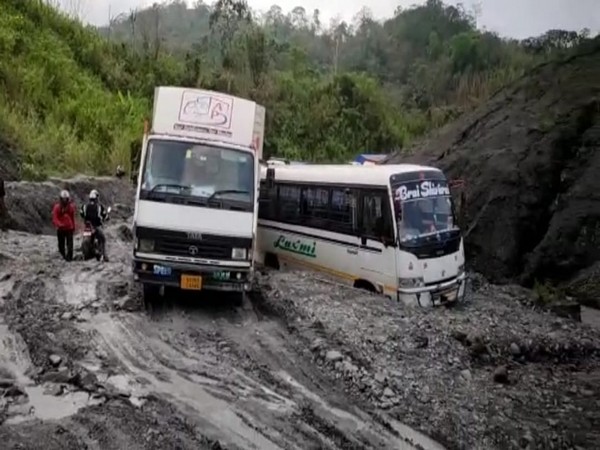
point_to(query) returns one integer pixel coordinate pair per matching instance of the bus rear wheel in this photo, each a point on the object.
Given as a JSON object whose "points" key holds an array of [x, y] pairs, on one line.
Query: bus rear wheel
{"points": [[365, 285]]}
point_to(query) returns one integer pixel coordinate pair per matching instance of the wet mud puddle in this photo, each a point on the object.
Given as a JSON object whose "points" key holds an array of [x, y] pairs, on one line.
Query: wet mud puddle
{"points": [[177, 361], [137, 361], [405, 438], [23, 399]]}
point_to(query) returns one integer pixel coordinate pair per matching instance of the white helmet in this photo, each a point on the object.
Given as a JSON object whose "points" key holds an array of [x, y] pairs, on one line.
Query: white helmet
{"points": [[94, 194], [64, 194]]}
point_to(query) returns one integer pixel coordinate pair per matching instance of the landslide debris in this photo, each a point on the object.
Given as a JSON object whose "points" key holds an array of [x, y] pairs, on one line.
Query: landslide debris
{"points": [[83, 366], [530, 158], [489, 374]]}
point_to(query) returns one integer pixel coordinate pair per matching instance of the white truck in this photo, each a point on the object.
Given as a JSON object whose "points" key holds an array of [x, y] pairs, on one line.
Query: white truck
{"points": [[196, 204]]}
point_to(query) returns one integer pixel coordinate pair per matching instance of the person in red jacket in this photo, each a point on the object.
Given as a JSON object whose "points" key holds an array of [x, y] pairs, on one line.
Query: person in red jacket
{"points": [[63, 218]]}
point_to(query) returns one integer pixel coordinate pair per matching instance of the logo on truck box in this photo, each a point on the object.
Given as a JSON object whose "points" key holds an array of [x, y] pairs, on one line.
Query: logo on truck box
{"points": [[206, 109]]}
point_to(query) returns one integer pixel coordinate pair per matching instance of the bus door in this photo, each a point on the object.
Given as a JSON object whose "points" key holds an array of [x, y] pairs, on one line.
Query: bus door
{"points": [[377, 249]]}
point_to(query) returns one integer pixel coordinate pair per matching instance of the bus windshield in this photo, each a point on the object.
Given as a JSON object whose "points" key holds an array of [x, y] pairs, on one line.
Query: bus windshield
{"points": [[423, 209], [198, 170]]}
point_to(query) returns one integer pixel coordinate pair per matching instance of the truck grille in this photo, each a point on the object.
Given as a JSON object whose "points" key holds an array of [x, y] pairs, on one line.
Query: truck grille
{"points": [[176, 243]]}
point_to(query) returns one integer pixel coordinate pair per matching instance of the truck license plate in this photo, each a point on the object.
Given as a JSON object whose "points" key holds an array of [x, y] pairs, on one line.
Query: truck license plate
{"points": [[221, 275], [162, 270], [191, 282]]}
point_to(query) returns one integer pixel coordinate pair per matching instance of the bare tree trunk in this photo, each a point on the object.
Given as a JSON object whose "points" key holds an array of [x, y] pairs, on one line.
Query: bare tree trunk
{"points": [[132, 22], [157, 39]]}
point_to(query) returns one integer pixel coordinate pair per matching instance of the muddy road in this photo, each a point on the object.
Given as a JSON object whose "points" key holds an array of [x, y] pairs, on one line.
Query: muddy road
{"points": [[83, 365], [303, 364]]}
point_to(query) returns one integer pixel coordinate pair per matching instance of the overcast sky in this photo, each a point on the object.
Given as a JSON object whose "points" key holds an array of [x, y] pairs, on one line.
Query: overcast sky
{"points": [[514, 18]]}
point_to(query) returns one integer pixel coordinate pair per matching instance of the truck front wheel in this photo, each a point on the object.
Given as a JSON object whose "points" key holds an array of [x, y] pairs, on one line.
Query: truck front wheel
{"points": [[151, 293]]}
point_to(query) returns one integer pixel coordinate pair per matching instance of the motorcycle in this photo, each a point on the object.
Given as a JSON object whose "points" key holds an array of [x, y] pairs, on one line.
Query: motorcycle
{"points": [[90, 247]]}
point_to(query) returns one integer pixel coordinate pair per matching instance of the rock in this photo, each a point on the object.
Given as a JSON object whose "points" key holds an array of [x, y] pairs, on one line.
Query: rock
{"points": [[55, 360], [14, 391], [571, 310], [96, 305], [86, 381], [20, 410], [515, 350], [349, 368], [67, 316], [5, 383], [84, 316], [380, 378], [474, 338], [333, 356], [127, 303], [5, 276], [526, 440], [501, 375], [421, 341], [466, 374], [61, 376], [316, 345], [55, 389], [460, 336], [387, 392], [478, 349]]}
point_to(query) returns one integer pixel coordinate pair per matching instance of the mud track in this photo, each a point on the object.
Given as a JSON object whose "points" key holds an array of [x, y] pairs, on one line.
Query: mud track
{"points": [[83, 365]]}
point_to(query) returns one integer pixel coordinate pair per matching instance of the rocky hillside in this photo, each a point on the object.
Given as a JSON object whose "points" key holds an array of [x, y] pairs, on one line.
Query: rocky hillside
{"points": [[530, 158]]}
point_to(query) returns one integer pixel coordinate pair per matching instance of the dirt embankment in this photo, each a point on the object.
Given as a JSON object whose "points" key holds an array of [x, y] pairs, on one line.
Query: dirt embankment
{"points": [[530, 158], [30, 203]]}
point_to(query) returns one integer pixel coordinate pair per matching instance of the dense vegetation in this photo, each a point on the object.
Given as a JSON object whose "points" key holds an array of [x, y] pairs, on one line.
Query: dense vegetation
{"points": [[73, 98]]}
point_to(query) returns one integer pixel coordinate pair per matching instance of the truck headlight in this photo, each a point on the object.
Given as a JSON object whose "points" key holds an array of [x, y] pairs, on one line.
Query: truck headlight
{"points": [[146, 245], [410, 282], [238, 253]]}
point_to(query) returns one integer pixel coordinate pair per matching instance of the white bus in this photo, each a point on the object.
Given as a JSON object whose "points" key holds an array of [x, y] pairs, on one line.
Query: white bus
{"points": [[389, 229]]}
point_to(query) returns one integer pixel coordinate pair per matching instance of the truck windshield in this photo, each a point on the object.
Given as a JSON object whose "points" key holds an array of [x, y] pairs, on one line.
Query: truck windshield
{"points": [[198, 170], [423, 209]]}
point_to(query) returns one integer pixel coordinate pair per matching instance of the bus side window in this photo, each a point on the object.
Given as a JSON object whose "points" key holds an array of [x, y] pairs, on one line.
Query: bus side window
{"points": [[376, 216], [315, 207], [342, 213], [267, 201], [289, 203]]}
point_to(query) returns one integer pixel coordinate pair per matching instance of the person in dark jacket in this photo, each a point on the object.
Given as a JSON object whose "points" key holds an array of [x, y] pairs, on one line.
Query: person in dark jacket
{"points": [[63, 218], [3, 210], [95, 213]]}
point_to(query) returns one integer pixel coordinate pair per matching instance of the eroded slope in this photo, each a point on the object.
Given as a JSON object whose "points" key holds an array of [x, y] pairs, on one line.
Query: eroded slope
{"points": [[530, 158]]}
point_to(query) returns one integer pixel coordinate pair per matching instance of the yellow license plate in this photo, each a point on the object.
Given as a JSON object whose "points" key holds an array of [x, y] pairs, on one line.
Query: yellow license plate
{"points": [[191, 282]]}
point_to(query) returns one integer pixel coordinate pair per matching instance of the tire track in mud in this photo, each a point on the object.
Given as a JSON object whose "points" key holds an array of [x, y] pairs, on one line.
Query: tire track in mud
{"points": [[230, 371]]}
